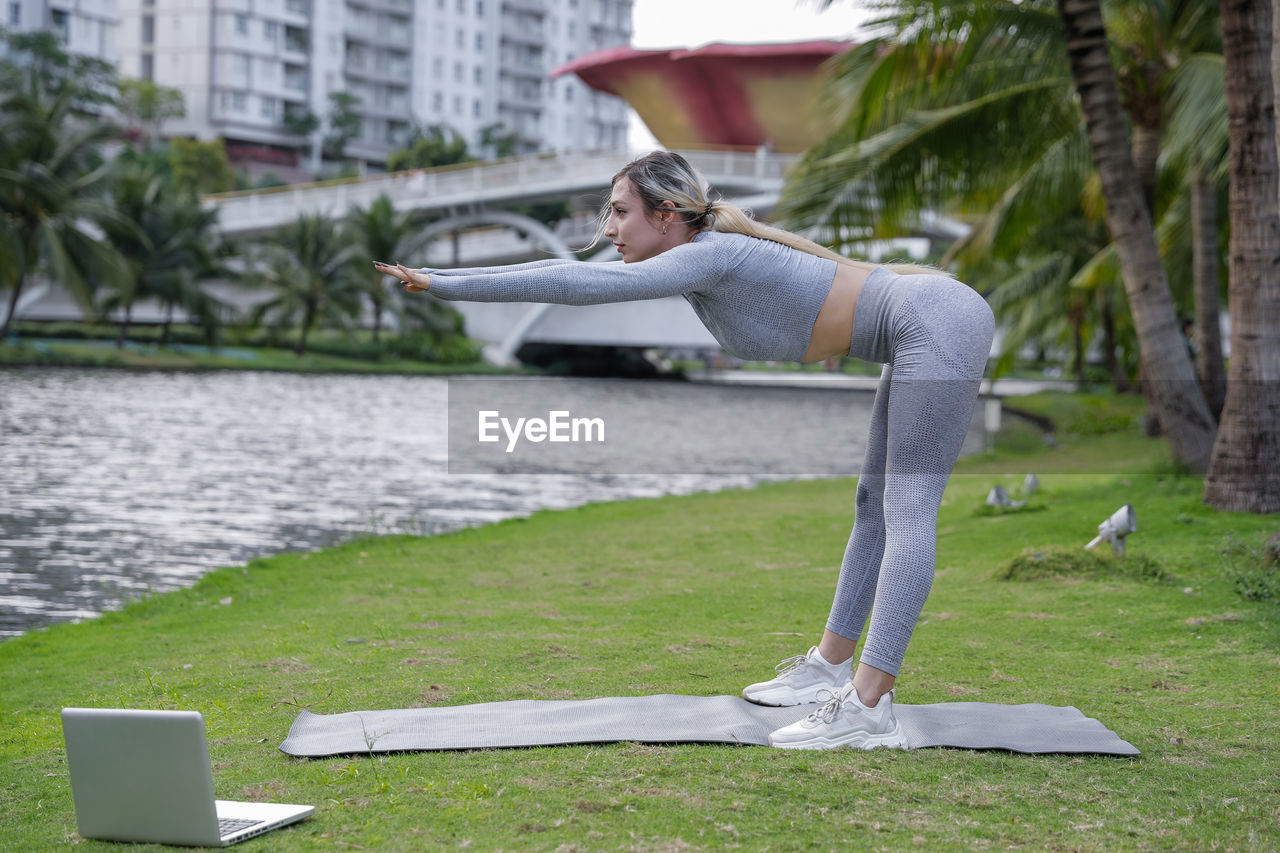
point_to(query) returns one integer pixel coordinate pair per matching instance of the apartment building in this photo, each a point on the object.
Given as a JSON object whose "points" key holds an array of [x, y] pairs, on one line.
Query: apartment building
{"points": [[87, 27], [244, 66]]}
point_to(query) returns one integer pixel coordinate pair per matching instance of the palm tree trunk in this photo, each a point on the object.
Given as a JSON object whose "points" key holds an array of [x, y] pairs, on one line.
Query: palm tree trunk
{"points": [[1119, 380], [13, 307], [124, 326], [308, 317], [1204, 249], [1245, 471], [1146, 156], [168, 322], [1077, 340], [1181, 405]]}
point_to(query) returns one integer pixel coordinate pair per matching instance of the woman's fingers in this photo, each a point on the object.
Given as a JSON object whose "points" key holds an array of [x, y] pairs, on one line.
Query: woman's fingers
{"points": [[414, 282]]}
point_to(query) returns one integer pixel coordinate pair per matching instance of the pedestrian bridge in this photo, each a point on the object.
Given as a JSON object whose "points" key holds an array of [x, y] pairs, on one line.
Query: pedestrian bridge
{"points": [[469, 187]]}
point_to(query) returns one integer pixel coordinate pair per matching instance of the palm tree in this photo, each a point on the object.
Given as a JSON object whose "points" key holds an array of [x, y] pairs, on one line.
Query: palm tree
{"points": [[166, 240], [1197, 145], [52, 182], [379, 233], [1173, 387], [1245, 470], [188, 253], [311, 269], [969, 108]]}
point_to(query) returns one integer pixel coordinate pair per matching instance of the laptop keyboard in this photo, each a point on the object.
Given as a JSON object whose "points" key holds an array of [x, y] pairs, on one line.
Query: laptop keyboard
{"points": [[228, 825]]}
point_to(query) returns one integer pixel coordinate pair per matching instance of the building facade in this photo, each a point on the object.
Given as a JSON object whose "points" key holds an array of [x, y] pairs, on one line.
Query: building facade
{"points": [[476, 67], [86, 27]]}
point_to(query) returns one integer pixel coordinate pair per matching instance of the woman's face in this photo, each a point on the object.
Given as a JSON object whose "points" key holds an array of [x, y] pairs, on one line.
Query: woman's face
{"points": [[635, 231]]}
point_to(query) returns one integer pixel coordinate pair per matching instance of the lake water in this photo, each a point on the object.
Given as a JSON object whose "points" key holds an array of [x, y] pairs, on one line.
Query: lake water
{"points": [[116, 484]]}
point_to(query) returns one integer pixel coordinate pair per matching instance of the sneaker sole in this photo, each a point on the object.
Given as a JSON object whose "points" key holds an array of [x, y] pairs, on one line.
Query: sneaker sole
{"points": [[786, 697], [858, 740]]}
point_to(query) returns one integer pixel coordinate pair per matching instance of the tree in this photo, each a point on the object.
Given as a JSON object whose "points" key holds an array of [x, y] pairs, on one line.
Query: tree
{"points": [[1197, 133], [52, 183], [301, 122], [498, 143], [1180, 403], [434, 145], [168, 244], [39, 55], [344, 124], [1245, 470], [147, 106], [380, 233], [201, 167], [311, 269]]}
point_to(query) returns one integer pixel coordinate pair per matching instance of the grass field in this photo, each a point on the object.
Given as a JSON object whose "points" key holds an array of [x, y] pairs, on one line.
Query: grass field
{"points": [[73, 353], [702, 594]]}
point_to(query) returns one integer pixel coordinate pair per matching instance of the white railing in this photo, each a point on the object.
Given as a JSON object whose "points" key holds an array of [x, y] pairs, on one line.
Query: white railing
{"points": [[537, 176]]}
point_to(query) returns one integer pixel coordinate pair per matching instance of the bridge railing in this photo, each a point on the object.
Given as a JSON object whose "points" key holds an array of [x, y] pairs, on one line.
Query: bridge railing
{"points": [[470, 184]]}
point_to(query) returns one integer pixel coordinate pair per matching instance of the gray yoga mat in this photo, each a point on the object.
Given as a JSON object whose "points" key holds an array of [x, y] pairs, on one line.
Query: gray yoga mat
{"points": [[669, 718]]}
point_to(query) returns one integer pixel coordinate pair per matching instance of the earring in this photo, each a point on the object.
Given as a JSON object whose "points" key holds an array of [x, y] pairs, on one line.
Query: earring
{"points": [[664, 229]]}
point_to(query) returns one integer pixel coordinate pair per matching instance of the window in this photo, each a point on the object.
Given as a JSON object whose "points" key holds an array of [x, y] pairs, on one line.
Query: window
{"points": [[462, 7], [269, 108], [58, 17], [235, 101], [437, 102], [479, 76], [479, 8], [479, 41], [148, 29], [568, 94], [477, 108], [148, 67], [15, 14], [457, 72], [457, 105], [459, 37], [437, 66], [271, 30], [242, 24]]}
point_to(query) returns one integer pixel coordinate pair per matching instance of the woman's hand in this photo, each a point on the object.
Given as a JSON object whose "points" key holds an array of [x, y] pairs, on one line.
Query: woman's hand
{"points": [[414, 281]]}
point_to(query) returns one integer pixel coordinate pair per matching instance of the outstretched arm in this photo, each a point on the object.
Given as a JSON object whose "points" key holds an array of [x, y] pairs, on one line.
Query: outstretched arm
{"points": [[549, 262], [686, 268]]}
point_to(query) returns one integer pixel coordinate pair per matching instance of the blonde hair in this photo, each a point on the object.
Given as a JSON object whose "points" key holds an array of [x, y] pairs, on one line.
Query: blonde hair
{"points": [[665, 176]]}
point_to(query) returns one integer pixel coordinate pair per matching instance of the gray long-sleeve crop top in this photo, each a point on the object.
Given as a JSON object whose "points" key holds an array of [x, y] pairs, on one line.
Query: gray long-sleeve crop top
{"points": [[757, 297]]}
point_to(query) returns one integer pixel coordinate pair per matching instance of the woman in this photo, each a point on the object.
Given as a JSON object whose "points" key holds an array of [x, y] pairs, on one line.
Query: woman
{"points": [[765, 293]]}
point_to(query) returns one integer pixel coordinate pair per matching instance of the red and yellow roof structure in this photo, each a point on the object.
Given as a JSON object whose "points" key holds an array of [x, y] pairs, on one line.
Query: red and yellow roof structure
{"points": [[718, 95]]}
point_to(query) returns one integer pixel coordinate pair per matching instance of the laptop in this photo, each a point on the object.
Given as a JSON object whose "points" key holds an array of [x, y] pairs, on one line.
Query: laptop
{"points": [[145, 776]]}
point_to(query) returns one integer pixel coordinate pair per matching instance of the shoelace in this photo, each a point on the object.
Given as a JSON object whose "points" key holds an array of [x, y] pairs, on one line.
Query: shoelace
{"points": [[829, 709], [790, 664]]}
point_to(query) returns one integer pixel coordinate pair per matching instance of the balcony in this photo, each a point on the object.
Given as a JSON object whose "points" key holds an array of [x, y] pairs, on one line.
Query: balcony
{"points": [[515, 32], [296, 40]]}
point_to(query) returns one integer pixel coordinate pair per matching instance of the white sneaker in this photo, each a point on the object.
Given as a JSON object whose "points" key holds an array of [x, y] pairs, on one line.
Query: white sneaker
{"points": [[844, 721], [801, 680]]}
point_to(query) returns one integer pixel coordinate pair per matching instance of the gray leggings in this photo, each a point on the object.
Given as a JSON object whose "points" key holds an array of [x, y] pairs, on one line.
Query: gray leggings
{"points": [[933, 335]]}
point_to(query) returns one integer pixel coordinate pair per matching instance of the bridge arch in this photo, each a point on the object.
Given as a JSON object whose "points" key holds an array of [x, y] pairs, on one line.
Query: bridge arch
{"points": [[504, 352]]}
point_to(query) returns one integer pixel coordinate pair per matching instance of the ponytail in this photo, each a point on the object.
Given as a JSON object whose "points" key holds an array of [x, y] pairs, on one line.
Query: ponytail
{"points": [[664, 176]]}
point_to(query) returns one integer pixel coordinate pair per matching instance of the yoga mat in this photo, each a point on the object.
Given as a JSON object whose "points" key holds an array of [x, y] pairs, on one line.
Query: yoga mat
{"points": [[670, 718]]}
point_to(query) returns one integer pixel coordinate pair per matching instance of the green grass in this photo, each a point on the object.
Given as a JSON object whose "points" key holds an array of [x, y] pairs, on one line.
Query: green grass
{"points": [[89, 354], [702, 594]]}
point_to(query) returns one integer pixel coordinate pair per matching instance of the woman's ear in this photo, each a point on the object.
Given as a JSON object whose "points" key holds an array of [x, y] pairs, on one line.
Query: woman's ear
{"points": [[667, 212]]}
